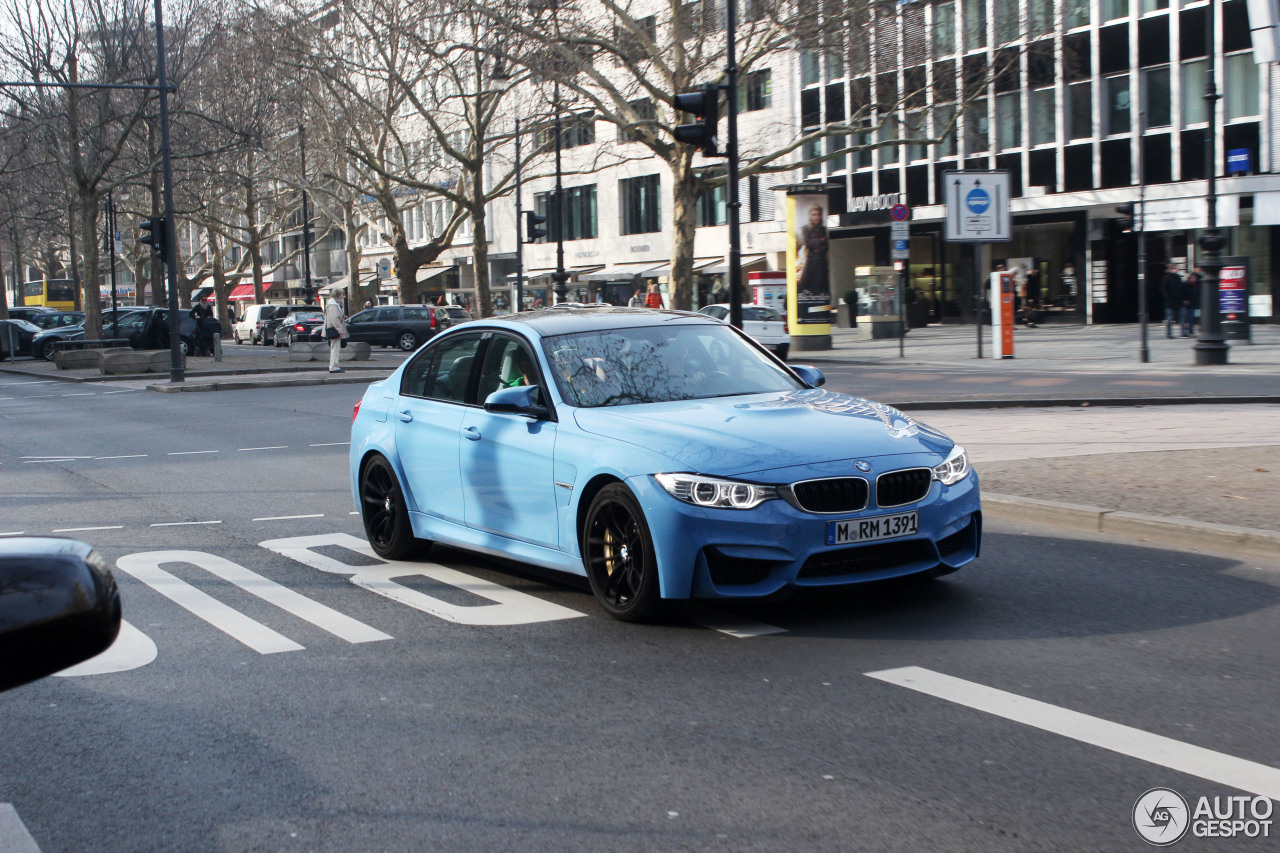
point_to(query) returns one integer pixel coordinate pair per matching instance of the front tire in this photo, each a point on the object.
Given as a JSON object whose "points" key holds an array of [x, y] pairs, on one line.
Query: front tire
{"points": [[48, 350], [408, 341], [386, 517], [617, 551]]}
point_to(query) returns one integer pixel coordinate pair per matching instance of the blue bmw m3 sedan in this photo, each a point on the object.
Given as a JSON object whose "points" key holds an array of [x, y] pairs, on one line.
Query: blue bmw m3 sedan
{"points": [[663, 455]]}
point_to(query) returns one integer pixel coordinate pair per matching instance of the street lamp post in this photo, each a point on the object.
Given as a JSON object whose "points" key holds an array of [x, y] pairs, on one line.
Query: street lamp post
{"points": [[308, 294], [519, 300], [1140, 225], [561, 289], [734, 204], [111, 247], [1211, 347]]}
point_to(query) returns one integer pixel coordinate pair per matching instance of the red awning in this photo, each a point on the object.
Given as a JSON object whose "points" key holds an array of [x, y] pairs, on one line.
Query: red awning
{"points": [[245, 291]]}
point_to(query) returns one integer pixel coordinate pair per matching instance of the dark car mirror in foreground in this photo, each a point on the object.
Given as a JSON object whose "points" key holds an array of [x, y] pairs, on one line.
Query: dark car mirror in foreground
{"points": [[811, 376], [515, 401], [59, 606]]}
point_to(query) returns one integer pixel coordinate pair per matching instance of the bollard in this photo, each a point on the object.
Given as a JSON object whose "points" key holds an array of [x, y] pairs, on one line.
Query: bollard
{"points": [[217, 346]]}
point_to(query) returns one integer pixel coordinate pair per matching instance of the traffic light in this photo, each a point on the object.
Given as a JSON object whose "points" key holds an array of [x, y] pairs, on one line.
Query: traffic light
{"points": [[154, 235], [706, 106], [532, 233], [1125, 222]]}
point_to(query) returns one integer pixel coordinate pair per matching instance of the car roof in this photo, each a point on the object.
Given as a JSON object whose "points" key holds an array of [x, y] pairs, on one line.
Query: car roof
{"points": [[563, 321]]}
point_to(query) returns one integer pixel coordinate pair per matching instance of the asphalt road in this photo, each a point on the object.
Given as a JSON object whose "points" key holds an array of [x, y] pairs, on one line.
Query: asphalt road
{"points": [[251, 719]]}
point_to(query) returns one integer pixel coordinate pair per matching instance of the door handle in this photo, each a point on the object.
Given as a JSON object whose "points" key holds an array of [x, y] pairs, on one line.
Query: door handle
{"points": [[404, 415], [471, 433]]}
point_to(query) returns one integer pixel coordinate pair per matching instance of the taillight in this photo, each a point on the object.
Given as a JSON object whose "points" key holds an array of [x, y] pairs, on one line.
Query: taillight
{"points": [[433, 319], [356, 413], [298, 327]]}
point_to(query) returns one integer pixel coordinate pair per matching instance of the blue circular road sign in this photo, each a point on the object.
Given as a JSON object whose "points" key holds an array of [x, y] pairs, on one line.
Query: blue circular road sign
{"points": [[978, 200]]}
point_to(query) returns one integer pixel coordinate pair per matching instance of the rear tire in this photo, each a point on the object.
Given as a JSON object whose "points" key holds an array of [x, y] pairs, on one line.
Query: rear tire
{"points": [[782, 351], [48, 350], [617, 551], [407, 341], [385, 515]]}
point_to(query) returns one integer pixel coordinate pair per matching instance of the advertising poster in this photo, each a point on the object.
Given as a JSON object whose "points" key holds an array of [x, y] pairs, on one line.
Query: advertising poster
{"points": [[808, 265], [1233, 288]]}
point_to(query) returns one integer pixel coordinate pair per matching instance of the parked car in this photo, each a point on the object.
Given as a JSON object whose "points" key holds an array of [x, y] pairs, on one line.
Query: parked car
{"points": [[458, 314], [272, 322], [298, 326], [54, 319], [403, 326], [26, 312], [660, 454], [26, 333], [45, 344], [249, 326], [767, 325]]}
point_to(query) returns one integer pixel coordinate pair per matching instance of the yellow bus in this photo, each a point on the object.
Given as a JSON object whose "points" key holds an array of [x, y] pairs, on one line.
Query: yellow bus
{"points": [[54, 293]]}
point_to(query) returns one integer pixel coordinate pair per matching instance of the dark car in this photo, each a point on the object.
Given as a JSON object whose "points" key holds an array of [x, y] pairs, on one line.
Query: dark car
{"points": [[45, 343], [54, 319], [26, 312], [144, 328], [299, 326], [403, 326], [26, 333], [270, 322], [457, 314]]}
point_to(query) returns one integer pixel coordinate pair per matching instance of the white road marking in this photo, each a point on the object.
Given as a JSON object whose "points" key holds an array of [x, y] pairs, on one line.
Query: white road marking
{"points": [[81, 394], [14, 837], [182, 523], [277, 447], [353, 513], [509, 607], [13, 533], [130, 456], [288, 517], [1156, 749], [83, 529], [131, 650], [230, 621], [36, 382], [55, 456], [121, 391], [39, 396], [190, 452], [67, 459], [325, 618], [330, 444], [731, 624]]}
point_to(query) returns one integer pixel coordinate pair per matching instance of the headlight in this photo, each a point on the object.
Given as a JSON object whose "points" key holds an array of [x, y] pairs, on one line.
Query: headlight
{"points": [[715, 493], [954, 469]]}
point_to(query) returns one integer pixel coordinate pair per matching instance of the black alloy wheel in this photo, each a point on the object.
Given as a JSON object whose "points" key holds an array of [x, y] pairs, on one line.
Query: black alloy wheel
{"points": [[408, 341], [48, 350], [618, 552], [386, 518]]}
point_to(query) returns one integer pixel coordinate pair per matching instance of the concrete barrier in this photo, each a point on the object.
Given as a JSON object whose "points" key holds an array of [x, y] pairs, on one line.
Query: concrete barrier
{"points": [[126, 362], [77, 359], [308, 350], [159, 361], [353, 351]]}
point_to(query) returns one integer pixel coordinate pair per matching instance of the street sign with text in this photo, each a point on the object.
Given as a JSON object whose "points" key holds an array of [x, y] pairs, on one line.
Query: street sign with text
{"points": [[977, 205]]}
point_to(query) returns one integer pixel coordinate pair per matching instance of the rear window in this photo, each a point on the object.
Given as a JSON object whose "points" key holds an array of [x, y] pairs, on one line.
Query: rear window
{"points": [[755, 312], [457, 313]]}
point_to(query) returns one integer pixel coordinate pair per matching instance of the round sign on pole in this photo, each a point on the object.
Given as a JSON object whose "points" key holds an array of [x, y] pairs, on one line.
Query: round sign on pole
{"points": [[978, 200], [900, 213]]}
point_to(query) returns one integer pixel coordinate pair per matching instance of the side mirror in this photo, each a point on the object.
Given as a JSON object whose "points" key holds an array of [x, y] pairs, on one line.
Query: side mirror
{"points": [[59, 606], [516, 401], [811, 376]]}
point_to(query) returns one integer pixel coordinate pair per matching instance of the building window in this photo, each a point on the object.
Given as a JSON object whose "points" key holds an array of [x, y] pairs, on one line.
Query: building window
{"points": [[975, 24], [1241, 86], [888, 132], [1159, 98], [1041, 17], [1080, 104], [712, 209], [1117, 104], [1154, 5], [579, 213], [1193, 109], [643, 108], [944, 29], [944, 120], [1044, 129], [1076, 13], [755, 92], [641, 208], [976, 127], [575, 130], [914, 128], [810, 68], [1008, 121], [1112, 9]]}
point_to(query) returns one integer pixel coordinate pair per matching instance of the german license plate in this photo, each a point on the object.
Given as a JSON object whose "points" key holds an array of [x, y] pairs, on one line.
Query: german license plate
{"points": [[871, 529]]}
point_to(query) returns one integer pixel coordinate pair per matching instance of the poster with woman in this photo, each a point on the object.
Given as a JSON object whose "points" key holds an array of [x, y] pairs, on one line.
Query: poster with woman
{"points": [[808, 264]]}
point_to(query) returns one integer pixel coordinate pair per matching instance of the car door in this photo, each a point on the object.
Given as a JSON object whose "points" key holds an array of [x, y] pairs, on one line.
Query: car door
{"points": [[429, 414], [360, 326], [507, 483]]}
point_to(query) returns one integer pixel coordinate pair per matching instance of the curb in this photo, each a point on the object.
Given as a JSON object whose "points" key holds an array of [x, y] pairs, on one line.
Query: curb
{"points": [[1163, 530], [1046, 402], [266, 383]]}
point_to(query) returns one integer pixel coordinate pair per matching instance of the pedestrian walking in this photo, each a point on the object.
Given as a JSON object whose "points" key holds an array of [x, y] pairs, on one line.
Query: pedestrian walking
{"points": [[335, 326], [653, 299], [637, 299], [201, 313], [1171, 291], [1190, 301]]}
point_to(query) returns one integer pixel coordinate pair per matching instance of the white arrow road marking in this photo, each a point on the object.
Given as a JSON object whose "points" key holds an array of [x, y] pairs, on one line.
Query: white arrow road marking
{"points": [[14, 837], [732, 624], [146, 568], [509, 607], [1185, 758], [131, 650]]}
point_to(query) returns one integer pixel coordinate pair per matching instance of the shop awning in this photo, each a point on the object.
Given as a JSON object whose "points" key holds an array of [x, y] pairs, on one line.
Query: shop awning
{"points": [[752, 263], [620, 272], [242, 292], [577, 273], [428, 273], [699, 265]]}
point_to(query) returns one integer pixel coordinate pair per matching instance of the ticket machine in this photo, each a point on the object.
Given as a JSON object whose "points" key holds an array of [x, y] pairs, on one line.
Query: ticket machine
{"points": [[1002, 314]]}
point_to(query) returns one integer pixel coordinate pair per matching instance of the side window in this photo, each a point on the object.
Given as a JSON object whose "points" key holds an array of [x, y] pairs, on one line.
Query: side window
{"points": [[417, 314], [387, 315], [362, 317], [441, 372], [507, 364], [717, 312]]}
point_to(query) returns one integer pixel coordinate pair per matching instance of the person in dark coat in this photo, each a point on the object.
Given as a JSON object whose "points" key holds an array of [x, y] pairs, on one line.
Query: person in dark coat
{"points": [[1190, 302], [1171, 290]]}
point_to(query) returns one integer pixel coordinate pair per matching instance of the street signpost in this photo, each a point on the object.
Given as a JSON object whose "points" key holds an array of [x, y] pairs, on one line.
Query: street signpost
{"points": [[900, 236], [977, 207]]}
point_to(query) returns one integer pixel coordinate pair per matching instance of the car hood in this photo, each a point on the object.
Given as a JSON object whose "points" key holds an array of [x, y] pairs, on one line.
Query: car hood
{"points": [[760, 432]]}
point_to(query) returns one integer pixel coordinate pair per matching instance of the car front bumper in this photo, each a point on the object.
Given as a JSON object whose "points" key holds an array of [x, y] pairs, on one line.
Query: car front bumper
{"points": [[725, 553]]}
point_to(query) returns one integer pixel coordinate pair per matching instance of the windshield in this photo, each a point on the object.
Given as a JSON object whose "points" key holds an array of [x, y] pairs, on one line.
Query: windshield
{"points": [[657, 364]]}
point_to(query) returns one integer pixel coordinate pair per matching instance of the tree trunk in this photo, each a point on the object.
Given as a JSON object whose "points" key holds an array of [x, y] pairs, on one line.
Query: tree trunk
{"points": [[254, 231], [684, 221], [88, 216], [350, 234], [480, 251], [219, 282]]}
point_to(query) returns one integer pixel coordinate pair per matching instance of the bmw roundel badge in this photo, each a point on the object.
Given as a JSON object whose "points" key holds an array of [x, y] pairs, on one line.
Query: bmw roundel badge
{"points": [[864, 467]]}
